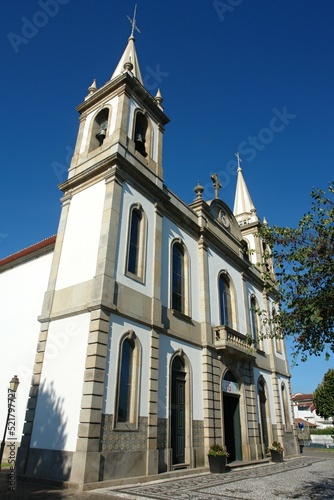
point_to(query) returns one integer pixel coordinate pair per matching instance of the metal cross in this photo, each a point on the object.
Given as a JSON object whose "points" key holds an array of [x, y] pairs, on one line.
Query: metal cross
{"points": [[216, 184], [239, 159], [133, 22]]}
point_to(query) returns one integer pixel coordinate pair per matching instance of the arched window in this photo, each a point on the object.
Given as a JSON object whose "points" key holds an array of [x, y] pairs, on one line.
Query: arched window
{"points": [[275, 331], [127, 397], [140, 133], [178, 278], [225, 301], [135, 262], [255, 324], [99, 130], [124, 398], [253, 317]]}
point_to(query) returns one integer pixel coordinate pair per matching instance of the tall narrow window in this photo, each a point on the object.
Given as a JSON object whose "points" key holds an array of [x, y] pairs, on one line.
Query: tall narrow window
{"points": [[276, 331], [124, 399], [134, 242], [135, 260], [127, 391], [178, 279], [225, 301], [254, 319]]}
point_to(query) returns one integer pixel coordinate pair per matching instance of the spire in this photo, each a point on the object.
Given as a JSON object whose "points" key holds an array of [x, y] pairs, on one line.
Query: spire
{"points": [[244, 209], [130, 54]]}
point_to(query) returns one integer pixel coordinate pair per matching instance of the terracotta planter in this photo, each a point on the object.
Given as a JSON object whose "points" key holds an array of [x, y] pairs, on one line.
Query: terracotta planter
{"points": [[276, 456], [217, 464]]}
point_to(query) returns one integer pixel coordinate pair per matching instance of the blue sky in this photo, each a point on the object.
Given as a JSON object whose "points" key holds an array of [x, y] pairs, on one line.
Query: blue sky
{"points": [[244, 75]]}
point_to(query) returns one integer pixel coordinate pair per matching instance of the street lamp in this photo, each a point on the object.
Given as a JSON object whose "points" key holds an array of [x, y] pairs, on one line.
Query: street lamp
{"points": [[13, 385]]}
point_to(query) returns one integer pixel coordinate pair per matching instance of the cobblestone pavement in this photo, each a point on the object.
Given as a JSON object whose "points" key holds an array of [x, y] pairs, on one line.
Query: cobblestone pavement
{"points": [[304, 478], [308, 477]]}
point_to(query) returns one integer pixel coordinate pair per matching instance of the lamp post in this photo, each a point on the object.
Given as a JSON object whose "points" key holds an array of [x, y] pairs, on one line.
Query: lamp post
{"points": [[13, 385]]}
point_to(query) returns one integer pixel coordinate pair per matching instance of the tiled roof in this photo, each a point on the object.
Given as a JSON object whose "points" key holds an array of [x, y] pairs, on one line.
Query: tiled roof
{"points": [[27, 253]]}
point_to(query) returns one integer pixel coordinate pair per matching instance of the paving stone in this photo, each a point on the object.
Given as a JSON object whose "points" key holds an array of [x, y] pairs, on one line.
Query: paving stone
{"points": [[304, 478]]}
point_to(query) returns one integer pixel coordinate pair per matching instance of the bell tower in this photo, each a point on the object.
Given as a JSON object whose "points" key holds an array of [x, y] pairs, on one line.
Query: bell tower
{"points": [[121, 118], [117, 158]]}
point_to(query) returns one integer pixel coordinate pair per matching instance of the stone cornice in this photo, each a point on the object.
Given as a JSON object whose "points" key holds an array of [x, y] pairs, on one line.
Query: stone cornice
{"points": [[130, 85]]}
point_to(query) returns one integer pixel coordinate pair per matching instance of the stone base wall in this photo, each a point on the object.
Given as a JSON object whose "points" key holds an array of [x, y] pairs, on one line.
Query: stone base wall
{"points": [[49, 464], [118, 464]]}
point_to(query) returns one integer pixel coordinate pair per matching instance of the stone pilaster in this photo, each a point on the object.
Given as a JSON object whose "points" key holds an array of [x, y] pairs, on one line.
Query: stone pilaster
{"points": [[86, 459], [152, 430], [203, 273], [49, 294], [157, 258], [251, 447], [104, 280], [211, 369], [279, 431], [22, 457]]}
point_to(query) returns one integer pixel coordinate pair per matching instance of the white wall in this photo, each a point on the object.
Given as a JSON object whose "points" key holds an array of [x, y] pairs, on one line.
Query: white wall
{"points": [[59, 399], [82, 237], [21, 295]]}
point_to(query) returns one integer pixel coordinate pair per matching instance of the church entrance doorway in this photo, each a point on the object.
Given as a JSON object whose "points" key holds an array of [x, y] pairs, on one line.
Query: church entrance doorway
{"points": [[178, 411], [232, 428]]}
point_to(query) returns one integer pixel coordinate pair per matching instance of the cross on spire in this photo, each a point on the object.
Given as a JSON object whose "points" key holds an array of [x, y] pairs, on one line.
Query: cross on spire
{"points": [[216, 184], [134, 23], [239, 159]]}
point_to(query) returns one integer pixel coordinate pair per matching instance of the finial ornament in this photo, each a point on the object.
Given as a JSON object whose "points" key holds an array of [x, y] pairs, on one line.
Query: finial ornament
{"points": [[134, 23], [92, 88], [216, 184], [198, 190], [239, 160]]}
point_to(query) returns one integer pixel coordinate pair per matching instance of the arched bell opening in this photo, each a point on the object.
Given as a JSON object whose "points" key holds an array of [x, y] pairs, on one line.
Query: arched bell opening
{"points": [[141, 126], [99, 130]]}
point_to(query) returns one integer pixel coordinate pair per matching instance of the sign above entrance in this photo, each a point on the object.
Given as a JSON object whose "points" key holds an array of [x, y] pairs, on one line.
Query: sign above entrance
{"points": [[231, 387]]}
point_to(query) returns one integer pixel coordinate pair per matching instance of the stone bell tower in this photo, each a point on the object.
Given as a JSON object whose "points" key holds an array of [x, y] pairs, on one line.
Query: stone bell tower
{"points": [[119, 141]]}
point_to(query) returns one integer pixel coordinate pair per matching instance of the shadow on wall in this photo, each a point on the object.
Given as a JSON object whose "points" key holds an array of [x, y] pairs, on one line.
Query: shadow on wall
{"points": [[47, 458]]}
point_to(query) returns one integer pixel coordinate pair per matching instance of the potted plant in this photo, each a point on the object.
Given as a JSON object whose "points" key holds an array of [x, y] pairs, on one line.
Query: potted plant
{"points": [[276, 451], [217, 458]]}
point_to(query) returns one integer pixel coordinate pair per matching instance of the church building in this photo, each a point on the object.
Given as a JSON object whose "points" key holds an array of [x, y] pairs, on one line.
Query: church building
{"points": [[149, 347]]}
